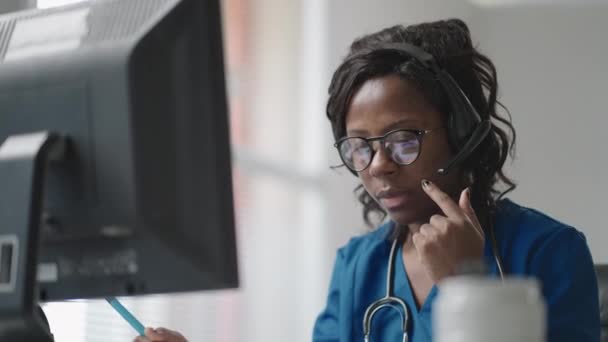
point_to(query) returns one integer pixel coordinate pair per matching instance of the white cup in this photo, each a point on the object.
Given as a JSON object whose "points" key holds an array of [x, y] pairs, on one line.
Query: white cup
{"points": [[481, 309]]}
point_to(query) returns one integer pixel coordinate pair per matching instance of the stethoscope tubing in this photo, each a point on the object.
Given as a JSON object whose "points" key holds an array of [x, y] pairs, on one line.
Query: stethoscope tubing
{"points": [[390, 301]]}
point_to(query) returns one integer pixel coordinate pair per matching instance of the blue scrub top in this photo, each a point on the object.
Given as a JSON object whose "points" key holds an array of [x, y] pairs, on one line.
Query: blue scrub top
{"points": [[530, 244]]}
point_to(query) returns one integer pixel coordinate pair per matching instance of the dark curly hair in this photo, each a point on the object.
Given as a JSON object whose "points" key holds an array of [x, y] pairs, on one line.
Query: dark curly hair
{"points": [[449, 41]]}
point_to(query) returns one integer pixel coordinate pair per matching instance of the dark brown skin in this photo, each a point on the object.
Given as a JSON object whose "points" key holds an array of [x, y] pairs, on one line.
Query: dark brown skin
{"points": [[443, 228], [160, 335]]}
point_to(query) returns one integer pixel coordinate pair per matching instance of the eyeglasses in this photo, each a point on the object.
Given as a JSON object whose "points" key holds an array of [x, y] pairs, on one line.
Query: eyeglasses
{"points": [[402, 145]]}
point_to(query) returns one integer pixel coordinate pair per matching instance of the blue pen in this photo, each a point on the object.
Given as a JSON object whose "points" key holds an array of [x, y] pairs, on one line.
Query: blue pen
{"points": [[126, 315]]}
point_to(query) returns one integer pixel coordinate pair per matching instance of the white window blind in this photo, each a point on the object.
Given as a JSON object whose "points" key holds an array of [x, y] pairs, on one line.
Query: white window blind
{"points": [[55, 3]]}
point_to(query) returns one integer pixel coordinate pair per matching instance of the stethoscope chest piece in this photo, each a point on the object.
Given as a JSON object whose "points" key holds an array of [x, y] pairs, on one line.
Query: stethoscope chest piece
{"points": [[388, 301], [395, 303]]}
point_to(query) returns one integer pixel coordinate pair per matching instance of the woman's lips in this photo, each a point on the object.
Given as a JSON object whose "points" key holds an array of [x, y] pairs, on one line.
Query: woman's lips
{"points": [[394, 201]]}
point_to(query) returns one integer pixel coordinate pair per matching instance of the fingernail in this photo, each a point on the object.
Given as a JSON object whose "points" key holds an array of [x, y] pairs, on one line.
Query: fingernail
{"points": [[469, 193], [425, 183]]}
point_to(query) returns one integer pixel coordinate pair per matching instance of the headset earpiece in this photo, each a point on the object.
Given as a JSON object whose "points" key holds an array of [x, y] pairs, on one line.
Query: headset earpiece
{"points": [[466, 128], [463, 117], [479, 134]]}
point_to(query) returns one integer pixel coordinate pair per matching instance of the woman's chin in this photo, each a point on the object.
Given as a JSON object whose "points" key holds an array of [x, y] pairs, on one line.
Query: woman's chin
{"points": [[407, 216]]}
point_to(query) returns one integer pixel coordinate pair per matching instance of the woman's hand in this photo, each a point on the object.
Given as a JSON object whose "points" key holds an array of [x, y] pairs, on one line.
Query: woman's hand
{"points": [[160, 335], [447, 241]]}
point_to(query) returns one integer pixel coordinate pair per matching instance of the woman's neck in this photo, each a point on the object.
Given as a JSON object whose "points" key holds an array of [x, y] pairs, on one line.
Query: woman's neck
{"points": [[412, 228]]}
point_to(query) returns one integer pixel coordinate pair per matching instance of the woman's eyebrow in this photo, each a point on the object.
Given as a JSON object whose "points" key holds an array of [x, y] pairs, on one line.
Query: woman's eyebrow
{"points": [[404, 123], [357, 132], [409, 123]]}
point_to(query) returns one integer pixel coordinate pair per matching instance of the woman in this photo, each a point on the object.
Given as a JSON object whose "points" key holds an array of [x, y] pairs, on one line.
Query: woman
{"points": [[382, 94], [397, 118]]}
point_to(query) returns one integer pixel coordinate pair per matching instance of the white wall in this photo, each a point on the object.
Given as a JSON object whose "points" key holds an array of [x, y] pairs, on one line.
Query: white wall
{"points": [[553, 69]]}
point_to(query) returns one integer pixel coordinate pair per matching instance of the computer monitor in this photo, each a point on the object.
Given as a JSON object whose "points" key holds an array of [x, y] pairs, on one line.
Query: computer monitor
{"points": [[115, 162]]}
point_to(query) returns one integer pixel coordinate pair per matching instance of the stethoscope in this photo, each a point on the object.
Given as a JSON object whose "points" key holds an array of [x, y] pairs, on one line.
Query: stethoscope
{"points": [[392, 302]]}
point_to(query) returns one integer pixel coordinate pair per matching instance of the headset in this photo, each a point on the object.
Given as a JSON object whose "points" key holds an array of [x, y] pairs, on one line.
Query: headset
{"points": [[466, 128]]}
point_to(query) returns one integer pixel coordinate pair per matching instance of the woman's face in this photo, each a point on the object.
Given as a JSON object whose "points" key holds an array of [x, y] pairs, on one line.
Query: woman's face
{"points": [[387, 103]]}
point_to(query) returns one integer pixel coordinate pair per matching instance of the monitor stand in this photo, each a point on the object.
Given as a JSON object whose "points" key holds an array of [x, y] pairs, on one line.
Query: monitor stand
{"points": [[23, 164]]}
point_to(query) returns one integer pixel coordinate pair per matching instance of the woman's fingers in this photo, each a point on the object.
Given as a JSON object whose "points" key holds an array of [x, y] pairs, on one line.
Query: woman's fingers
{"points": [[443, 200], [467, 208], [163, 335]]}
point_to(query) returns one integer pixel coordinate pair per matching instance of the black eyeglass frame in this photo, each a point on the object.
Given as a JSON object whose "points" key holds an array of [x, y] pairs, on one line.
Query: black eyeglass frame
{"points": [[418, 133]]}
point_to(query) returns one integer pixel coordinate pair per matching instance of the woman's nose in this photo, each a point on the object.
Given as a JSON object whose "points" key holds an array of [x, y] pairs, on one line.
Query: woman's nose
{"points": [[381, 163]]}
